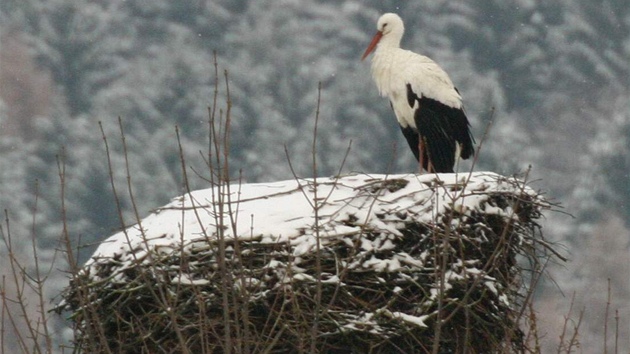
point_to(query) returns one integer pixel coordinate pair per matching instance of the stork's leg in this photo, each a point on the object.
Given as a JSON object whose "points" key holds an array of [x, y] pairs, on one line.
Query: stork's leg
{"points": [[421, 155], [421, 147]]}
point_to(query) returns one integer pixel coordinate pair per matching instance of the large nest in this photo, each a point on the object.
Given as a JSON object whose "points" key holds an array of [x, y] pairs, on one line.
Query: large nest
{"points": [[380, 264]]}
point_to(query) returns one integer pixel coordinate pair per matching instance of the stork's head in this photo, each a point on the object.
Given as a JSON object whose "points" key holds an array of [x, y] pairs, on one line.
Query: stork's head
{"points": [[390, 29]]}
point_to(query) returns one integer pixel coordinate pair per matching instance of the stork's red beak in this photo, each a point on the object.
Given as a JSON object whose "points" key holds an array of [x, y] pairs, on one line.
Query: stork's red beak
{"points": [[370, 48]]}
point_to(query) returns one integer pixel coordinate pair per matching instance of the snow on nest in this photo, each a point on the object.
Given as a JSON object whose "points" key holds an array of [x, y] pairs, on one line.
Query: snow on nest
{"points": [[284, 212]]}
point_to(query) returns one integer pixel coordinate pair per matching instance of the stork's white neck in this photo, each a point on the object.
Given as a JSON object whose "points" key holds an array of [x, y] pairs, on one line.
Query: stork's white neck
{"points": [[385, 54], [390, 40]]}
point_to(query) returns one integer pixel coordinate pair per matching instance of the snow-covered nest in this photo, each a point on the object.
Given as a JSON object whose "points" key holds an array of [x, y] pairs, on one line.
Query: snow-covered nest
{"points": [[397, 254]]}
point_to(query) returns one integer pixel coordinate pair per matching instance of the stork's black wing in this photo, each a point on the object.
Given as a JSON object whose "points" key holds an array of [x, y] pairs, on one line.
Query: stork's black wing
{"points": [[441, 128], [413, 139]]}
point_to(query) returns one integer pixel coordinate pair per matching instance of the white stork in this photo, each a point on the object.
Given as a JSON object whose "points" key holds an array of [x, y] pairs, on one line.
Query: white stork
{"points": [[428, 107]]}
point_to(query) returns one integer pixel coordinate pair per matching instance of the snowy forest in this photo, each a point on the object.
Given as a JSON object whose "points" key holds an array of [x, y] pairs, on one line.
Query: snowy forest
{"points": [[551, 80]]}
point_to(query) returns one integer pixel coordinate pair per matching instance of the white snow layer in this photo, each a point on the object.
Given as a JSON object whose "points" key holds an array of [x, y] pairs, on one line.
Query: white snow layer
{"points": [[293, 212]]}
